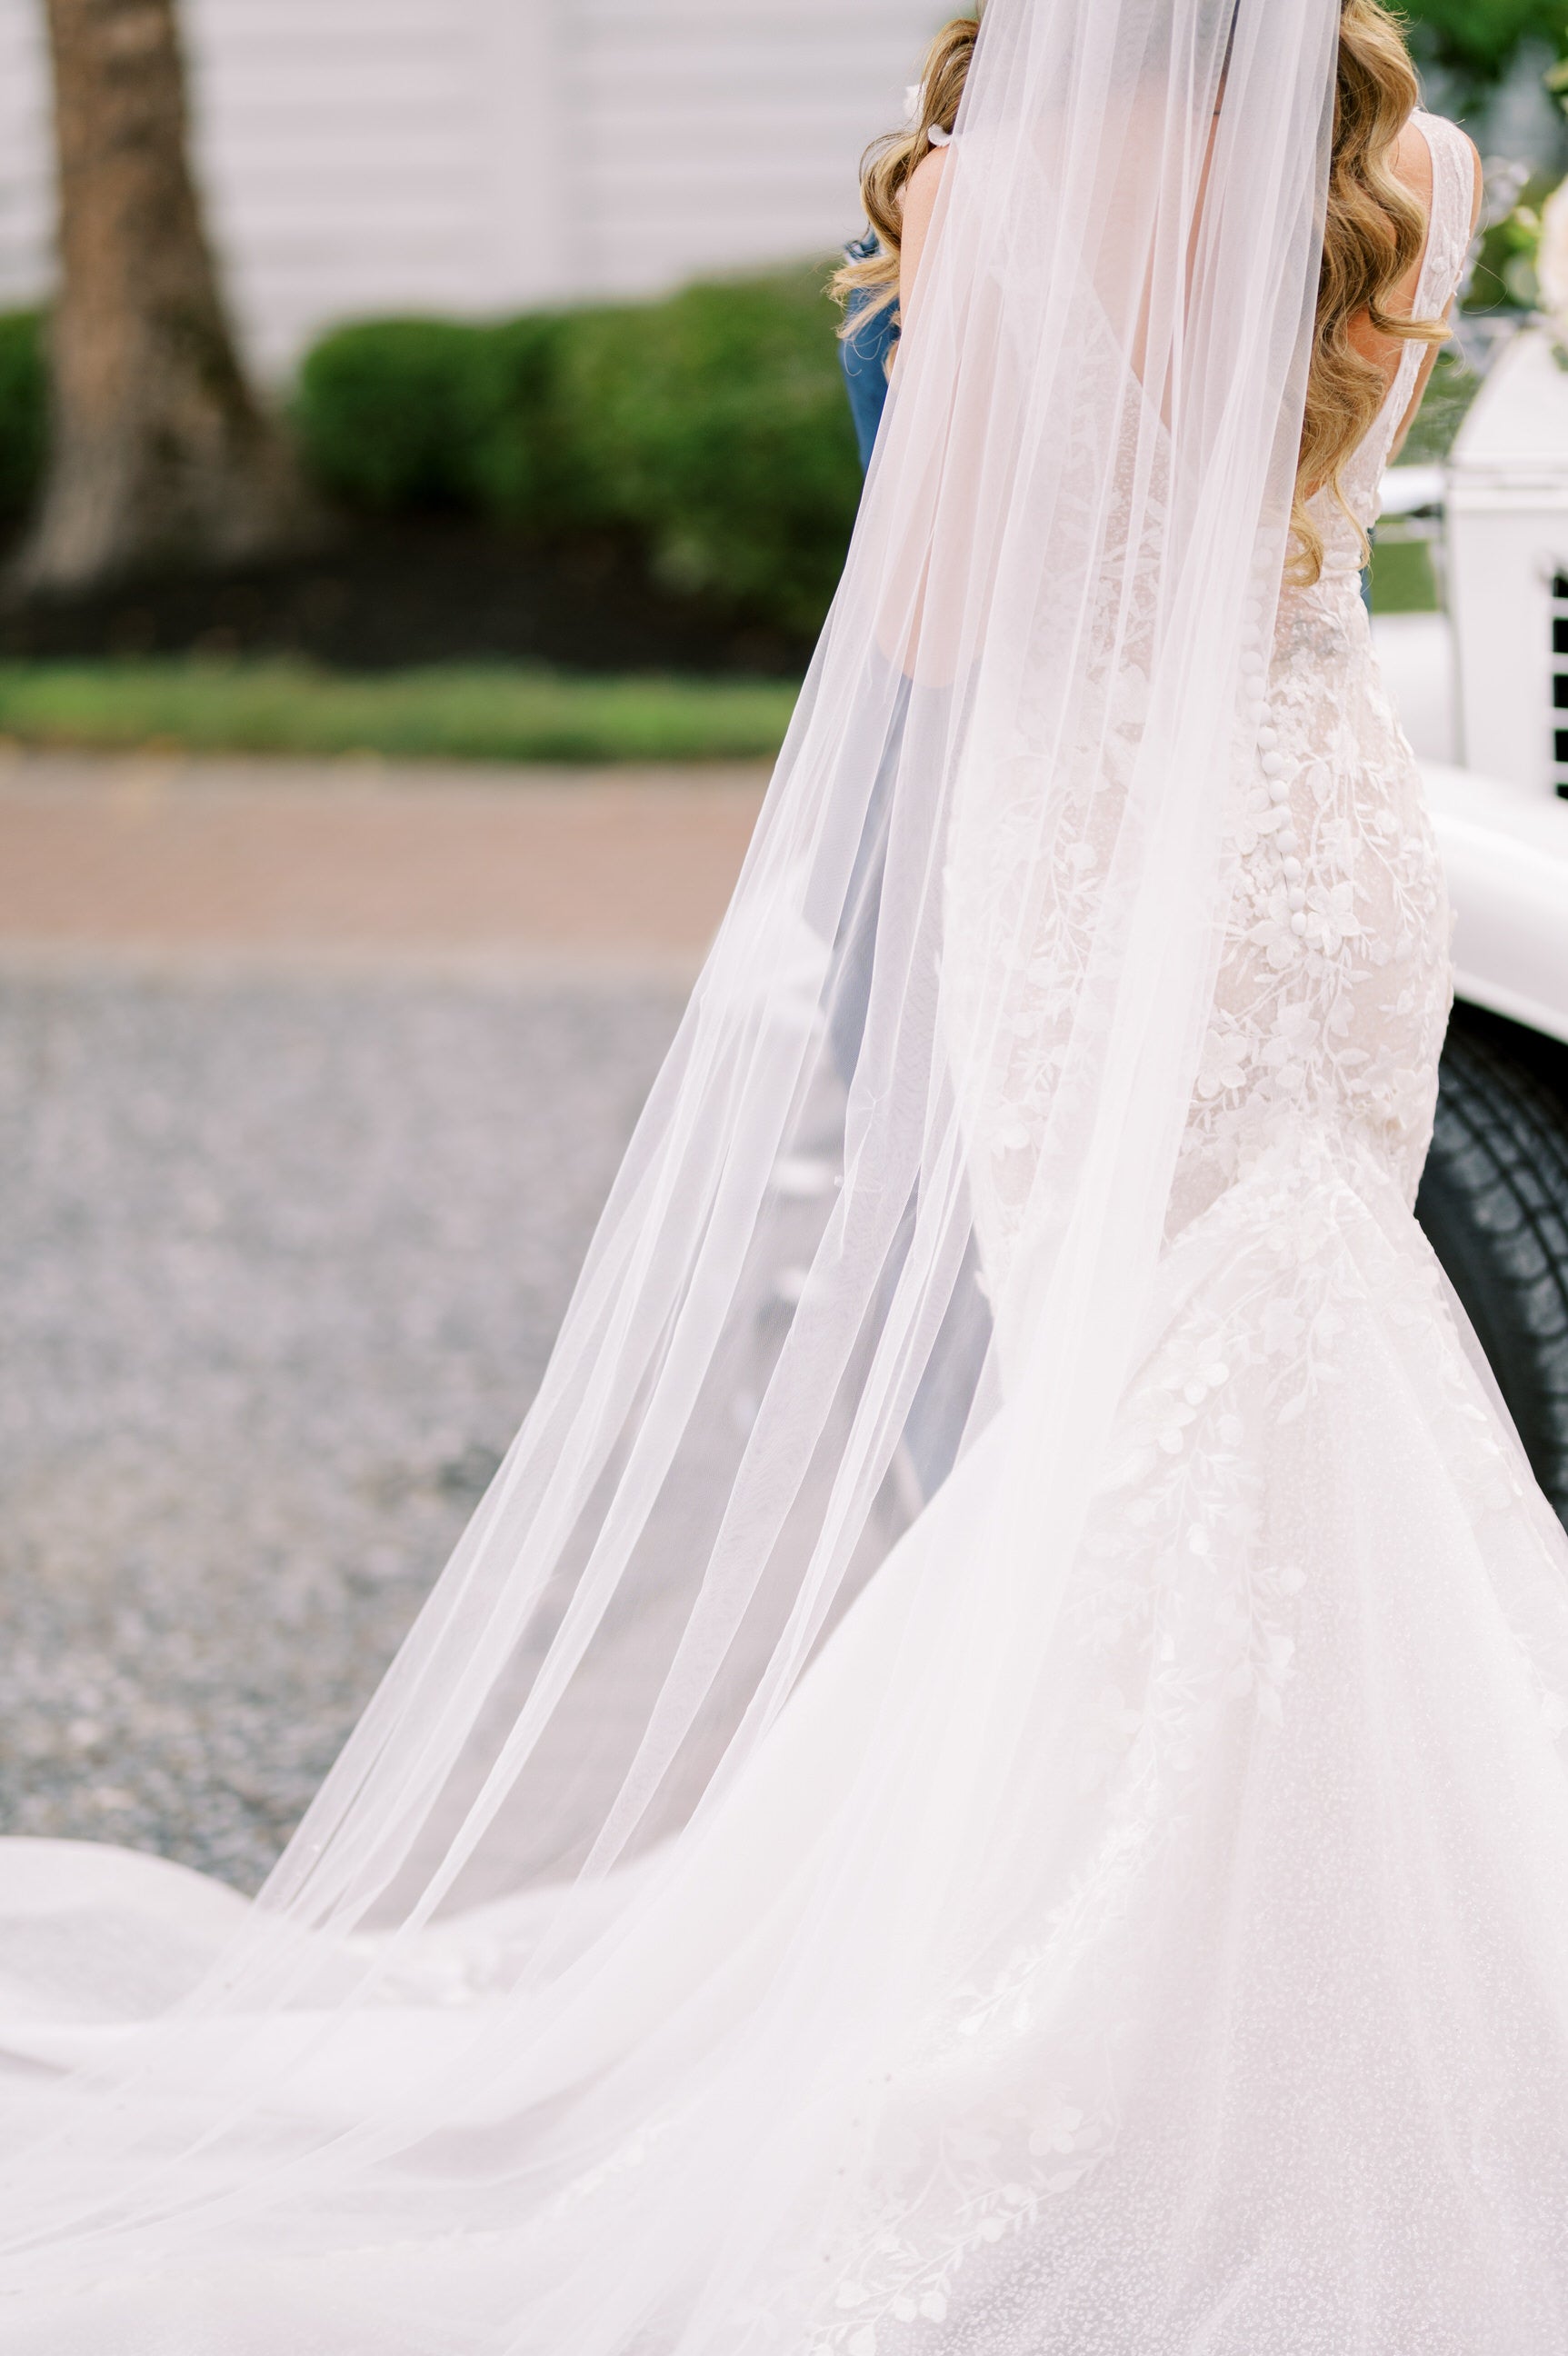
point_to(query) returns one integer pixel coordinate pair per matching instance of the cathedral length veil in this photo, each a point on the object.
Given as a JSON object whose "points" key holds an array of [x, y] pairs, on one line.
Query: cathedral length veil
{"points": [[580, 2007]]}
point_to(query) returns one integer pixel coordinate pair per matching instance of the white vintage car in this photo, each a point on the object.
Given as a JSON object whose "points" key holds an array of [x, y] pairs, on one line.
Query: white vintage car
{"points": [[1483, 692]]}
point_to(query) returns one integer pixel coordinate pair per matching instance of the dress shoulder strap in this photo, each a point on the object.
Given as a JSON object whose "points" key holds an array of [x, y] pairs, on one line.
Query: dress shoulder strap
{"points": [[1453, 203], [1437, 283]]}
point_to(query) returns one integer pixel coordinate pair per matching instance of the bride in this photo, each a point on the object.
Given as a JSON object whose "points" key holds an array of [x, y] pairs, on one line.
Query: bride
{"points": [[990, 1778]]}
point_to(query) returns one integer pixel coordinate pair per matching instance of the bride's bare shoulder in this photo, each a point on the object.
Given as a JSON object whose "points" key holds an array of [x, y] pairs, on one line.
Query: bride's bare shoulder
{"points": [[920, 191], [1411, 163], [919, 203]]}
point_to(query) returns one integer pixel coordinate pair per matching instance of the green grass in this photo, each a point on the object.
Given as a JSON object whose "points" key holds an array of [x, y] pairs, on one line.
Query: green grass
{"points": [[1403, 580], [477, 713]]}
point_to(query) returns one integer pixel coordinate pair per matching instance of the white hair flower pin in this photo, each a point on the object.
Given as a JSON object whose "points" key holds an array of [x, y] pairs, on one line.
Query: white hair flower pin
{"points": [[914, 107]]}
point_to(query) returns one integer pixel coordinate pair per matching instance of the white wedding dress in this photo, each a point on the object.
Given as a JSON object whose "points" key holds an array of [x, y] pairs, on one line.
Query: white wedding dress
{"points": [[1292, 1990], [1264, 2051]]}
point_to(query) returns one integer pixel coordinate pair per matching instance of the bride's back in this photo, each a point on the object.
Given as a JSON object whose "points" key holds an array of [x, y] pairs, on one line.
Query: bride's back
{"points": [[1377, 240]]}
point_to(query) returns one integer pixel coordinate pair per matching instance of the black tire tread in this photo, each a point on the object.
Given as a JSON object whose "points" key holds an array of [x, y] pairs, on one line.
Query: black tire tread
{"points": [[1494, 1202]]}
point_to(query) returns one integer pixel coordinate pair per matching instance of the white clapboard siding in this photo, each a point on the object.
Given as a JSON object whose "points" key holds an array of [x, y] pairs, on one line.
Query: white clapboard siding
{"points": [[715, 135], [25, 204], [348, 153], [366, 156], [718, 132]]}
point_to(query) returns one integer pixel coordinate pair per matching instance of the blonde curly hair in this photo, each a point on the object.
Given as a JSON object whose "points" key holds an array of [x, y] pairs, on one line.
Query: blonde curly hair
{"points": [[888, 162], [1372, 238]]}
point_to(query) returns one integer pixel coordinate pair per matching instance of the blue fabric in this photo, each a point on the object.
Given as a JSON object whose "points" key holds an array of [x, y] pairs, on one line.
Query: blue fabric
{"points": [[864, 354]]}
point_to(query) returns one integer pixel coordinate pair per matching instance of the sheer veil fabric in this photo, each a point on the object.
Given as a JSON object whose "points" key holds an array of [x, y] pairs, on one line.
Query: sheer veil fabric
{"points": [[717, 1935]]}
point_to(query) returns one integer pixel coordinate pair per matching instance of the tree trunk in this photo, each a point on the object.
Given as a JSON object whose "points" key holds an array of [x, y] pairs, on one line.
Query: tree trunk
{"points": [[160, 453]]}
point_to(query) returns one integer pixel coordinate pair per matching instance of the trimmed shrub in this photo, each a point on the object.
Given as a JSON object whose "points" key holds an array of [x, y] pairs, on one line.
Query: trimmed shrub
{"points": [[24, 410], [712, 427], [388, 412], [394, 414], [384, 412], [522, 466], [715, 422]]}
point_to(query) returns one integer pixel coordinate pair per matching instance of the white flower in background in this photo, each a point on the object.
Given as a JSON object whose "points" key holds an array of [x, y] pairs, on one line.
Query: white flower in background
{"points": [[1551, 262]]}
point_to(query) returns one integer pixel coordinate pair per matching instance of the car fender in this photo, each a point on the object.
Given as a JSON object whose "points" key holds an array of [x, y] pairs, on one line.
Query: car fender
{"points": [[1505, 854]]}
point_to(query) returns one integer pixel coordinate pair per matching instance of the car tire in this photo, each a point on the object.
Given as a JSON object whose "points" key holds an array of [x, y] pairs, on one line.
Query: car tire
{"points": [[1494, 1203]]}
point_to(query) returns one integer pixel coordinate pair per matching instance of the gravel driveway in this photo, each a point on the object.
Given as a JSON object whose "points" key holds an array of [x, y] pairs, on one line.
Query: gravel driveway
{"points": [[279, 1260]]}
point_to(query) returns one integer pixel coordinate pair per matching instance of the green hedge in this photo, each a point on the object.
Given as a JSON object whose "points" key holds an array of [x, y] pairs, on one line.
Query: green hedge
{"points": [[717, 423], [23, 402], [712, 426], [399, 413]]}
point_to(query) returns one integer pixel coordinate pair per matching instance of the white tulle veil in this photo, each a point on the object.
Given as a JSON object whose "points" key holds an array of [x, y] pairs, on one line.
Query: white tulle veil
{"points": [[575, 2014]]}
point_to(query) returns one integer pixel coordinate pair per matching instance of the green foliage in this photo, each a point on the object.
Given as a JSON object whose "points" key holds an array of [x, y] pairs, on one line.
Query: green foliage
{"points": [[712, 427], [389, 414], [1451, 390], [483, 711], [520, 461], [717, 423], [1504, 275], [1478, 37], [1403, 580], [24, 410]]}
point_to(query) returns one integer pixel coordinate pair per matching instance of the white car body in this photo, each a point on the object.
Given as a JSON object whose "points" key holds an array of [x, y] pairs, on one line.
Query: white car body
{"points": [[1505, 846], [1481, 690], [1506, 855]]}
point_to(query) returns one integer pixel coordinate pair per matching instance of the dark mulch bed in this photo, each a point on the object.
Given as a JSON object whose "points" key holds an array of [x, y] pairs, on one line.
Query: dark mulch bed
{"points": [[381, 596]]}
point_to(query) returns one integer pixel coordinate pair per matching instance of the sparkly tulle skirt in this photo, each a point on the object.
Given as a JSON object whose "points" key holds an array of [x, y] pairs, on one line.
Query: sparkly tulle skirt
{"points": [[1266, 2051]]}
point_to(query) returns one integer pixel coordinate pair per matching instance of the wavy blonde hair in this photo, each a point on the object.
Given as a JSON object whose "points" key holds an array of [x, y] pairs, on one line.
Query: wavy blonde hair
{"points": [[888, 162], [1374, 235]]}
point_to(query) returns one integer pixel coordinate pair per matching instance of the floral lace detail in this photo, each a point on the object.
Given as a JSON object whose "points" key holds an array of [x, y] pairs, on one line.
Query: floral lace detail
{"points": [[1334, 991], [907, 2276], [1310, 1123], [1181, 1622], [1181, 1639]]}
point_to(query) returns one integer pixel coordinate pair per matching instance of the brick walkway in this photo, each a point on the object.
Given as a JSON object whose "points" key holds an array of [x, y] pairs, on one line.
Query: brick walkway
{"points": [[600, 870]]}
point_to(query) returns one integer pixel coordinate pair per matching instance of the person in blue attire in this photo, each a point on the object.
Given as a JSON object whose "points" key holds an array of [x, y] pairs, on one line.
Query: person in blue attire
{"points": [[867, 285], [865, 351]]}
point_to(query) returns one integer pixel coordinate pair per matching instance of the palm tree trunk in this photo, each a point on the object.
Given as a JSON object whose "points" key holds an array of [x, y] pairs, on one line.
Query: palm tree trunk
{"points": [[160, 453]]}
